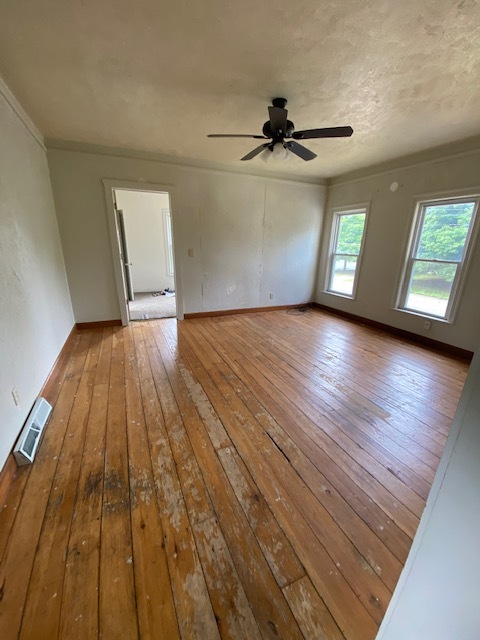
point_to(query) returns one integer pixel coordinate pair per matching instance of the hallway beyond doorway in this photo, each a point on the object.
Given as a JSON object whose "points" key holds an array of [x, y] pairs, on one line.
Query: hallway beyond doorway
{"points": [[149, 306]]}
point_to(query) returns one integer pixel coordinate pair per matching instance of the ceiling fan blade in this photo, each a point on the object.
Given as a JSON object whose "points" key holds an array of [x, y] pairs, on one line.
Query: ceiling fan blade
{"points": [[256, 151], [300, 150], [235, 135], [278, 119], [326, 132]]}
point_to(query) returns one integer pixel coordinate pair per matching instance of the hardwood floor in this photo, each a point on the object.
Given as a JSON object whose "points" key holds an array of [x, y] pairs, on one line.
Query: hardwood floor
{"points": [[256, 476]]}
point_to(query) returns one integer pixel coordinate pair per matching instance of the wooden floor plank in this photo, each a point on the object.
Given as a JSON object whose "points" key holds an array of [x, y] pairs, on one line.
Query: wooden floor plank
{"points": [[195, 615], [194, 491], [155, 606], [9, 509], [350, 418], [255, 476], [298, 397], [270, 609], [51, 389], [79, 615], [369, 356], [355, 528], [117, 598], [368, 412], [233, 613], [20, 552], [44, 597], [283, 562], [398, 373], [333, 488], [323, 567], [314, 618], [289, 415]]}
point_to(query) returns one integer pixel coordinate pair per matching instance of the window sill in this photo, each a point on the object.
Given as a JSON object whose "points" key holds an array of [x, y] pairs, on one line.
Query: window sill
{"points": [[339, 295], [426, 316]]}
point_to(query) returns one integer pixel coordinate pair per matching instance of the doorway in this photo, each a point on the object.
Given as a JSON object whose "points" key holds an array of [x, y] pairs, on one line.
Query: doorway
{"points": [[140, 223]]}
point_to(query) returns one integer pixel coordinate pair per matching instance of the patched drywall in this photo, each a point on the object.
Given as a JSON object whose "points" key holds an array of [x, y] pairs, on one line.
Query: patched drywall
{"points": [[144, 215], [388, 228], [35, 309], [226, 228]]}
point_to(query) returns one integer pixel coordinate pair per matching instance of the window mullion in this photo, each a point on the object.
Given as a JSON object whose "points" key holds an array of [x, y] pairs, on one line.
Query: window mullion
{"points": [[437, 261]]}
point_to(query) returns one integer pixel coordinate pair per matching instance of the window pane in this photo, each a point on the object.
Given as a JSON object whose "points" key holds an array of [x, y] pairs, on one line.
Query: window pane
{"points": [[430, 287], [350, 232], [343, 275], [444, 231]]}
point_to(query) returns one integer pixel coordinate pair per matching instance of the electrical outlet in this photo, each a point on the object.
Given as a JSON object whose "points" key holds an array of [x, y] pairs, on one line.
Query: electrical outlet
{"points": [[15, 396], [271, 296], [190, 253], [427, 325]]}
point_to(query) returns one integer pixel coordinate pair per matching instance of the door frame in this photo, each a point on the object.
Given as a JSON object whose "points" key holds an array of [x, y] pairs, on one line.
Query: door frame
{"points": [[110, 186], [122, 242]]}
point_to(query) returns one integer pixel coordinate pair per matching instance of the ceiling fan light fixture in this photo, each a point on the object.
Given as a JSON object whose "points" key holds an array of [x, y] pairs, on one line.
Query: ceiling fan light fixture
{"points": [[279, 151], [266, 155]]}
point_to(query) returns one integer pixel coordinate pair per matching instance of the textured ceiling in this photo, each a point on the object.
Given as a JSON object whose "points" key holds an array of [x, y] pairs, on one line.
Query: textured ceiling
{"points": [[158, 76]]}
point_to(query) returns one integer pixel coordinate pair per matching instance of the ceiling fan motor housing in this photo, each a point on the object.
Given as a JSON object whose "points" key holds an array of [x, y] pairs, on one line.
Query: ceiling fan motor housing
{"points": [[267, 131], [281, 103]]}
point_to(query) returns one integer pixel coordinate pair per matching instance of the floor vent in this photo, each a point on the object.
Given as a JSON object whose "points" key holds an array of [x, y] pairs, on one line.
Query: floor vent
{"points": [[29, 439]]}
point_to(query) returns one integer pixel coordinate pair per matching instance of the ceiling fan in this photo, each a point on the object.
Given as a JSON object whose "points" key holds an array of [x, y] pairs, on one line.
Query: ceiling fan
{"points": [[281, 131]]}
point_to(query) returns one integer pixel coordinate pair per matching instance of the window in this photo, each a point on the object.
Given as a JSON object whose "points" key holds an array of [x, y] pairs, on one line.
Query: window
{"points": [[346, 248], [435, 263], [168, 241]]}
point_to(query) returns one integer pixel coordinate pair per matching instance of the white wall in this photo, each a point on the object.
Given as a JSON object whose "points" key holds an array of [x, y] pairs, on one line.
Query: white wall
{"points": [[35, 309], [437, 597], [145, 230], [250, 236], [387, 233]]}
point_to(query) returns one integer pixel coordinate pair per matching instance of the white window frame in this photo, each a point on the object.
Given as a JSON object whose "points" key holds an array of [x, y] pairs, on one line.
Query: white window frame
{"points": [[462, 268], [167, 225], [337, 214]]}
